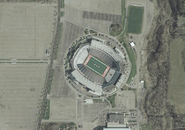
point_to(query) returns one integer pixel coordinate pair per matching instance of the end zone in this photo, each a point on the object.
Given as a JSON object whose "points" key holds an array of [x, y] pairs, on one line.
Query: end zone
{"points": [[105, 72], [89, 57]]}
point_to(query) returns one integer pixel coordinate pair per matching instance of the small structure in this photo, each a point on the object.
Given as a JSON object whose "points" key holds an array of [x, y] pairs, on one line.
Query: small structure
{"points": [[132, 44], [14, 61], [142, 84]]}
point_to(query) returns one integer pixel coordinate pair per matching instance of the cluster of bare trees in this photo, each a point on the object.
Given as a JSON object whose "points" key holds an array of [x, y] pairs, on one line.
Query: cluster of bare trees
{"points": [[156, 106]]}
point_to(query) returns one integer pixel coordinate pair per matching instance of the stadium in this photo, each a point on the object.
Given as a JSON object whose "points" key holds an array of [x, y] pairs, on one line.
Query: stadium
{"points": [[98, 67]]}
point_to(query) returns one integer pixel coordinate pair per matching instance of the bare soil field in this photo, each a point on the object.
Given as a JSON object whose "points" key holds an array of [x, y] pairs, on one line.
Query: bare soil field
{"points": [[100, 6], [21, 88], [63, 109], [125, 99], [177, 75], [26, 29]]}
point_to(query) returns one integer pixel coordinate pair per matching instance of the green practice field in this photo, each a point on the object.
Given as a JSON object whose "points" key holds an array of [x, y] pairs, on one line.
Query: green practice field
{"points": [[96, 65], [135, 19]]}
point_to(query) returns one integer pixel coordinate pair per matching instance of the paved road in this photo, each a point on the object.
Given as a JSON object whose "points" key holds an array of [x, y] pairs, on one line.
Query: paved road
{"points": [[24, 61], [138, 63], [42, 109]]}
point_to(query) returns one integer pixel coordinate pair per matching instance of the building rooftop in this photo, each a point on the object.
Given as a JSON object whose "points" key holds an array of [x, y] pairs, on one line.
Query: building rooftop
{"points": [[116, 129], [115, 117]]}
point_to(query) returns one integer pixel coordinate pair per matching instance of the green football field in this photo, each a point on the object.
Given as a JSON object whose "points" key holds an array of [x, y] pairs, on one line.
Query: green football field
{"points": [[96, 65], [135, 19]]}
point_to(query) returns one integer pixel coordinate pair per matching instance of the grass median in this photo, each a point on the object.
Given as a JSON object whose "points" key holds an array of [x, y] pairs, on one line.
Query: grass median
{"points": [[132, 57], [112, 100], [46, 114]]}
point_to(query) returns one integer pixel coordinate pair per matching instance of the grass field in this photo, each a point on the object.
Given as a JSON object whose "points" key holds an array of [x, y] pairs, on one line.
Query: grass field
{"points": [[62, 14], [135, 19], [177, 75], [46, 114], [96, 65], [112, 100], [62, 3], [123, 12], [132, 57], [58, 41], [129, 50], [146, 127]]}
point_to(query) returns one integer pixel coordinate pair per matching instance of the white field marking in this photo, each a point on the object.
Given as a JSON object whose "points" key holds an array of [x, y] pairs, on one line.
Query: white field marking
{"points": [[89, 57], [97, 66], [105, 72], [98, 60], [94, 70]]}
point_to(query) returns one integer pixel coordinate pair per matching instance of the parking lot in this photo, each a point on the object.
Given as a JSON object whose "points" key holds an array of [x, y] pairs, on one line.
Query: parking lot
{"points": [[26, 29], [100, 6], [21, 88], [71, 32], [89, 111], [102, 16], [62, 109], [97, 15], [125, 99]]}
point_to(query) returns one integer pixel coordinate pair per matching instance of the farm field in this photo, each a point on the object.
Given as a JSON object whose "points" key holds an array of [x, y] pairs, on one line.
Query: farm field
{"points": [[177, 74], [21, 88], [135, 18], [26, 29]]}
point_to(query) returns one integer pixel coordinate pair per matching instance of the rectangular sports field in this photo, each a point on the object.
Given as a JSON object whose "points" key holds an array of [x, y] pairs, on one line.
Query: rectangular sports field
{"points": [[135, 19], [96, 65]]}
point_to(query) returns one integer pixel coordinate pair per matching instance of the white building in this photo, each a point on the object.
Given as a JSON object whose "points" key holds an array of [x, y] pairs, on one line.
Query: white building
{"points": [[116, 129], [132, 44]]}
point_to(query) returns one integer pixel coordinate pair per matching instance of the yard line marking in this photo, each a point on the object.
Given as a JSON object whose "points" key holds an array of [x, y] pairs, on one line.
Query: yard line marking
{"points": [[99, 61], [106, 70], [93, 69]]}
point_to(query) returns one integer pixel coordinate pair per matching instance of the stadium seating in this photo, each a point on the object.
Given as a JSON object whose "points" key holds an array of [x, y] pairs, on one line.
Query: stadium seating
{"points": [[89, 75], [103, 56]]}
